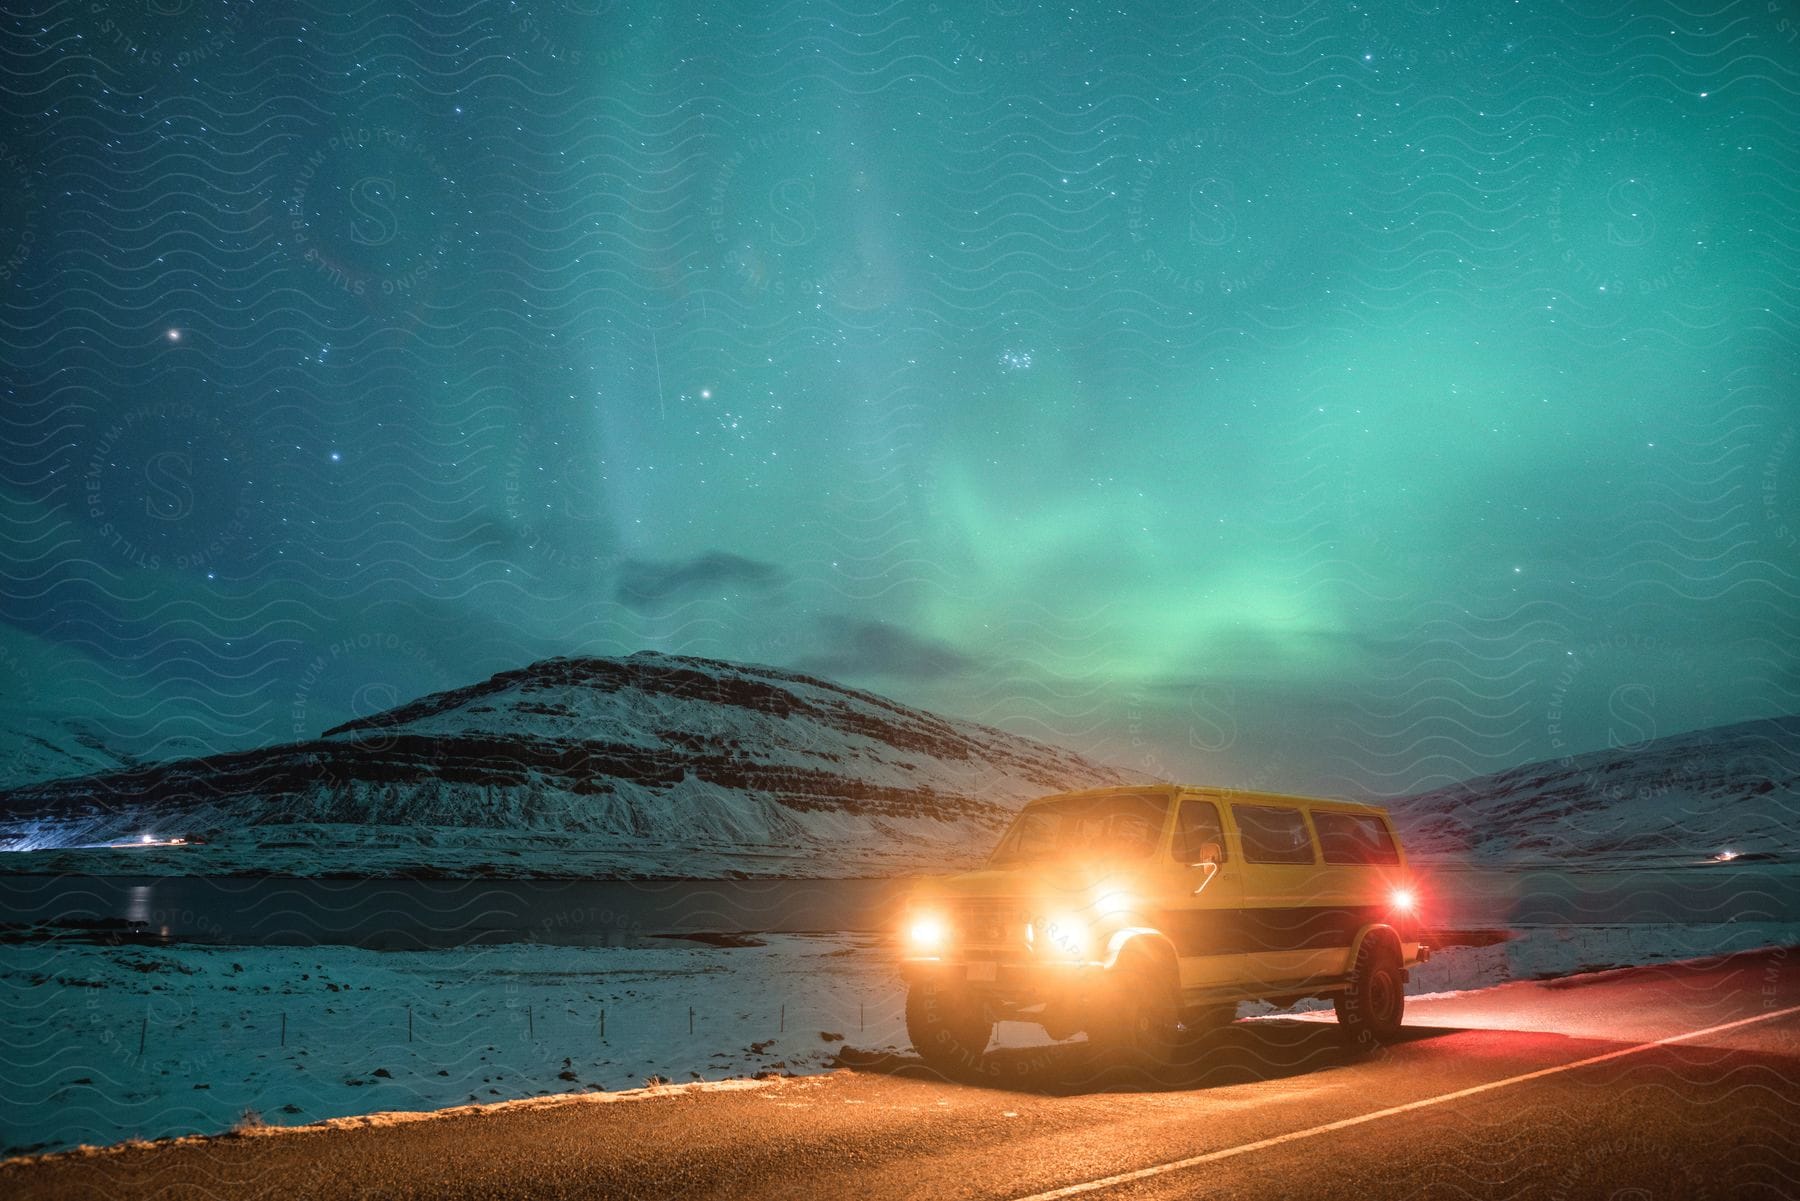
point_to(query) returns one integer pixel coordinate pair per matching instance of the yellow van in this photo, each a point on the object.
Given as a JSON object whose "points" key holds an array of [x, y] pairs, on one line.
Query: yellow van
{"points": [[1142, 915]]}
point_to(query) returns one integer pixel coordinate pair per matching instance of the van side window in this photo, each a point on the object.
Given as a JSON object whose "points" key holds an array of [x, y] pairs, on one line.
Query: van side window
{"points": [[1273, 834], [1354, 838], [1196, 825]]}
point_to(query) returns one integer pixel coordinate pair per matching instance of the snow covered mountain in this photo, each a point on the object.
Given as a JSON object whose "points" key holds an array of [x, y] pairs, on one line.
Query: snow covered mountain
{"points": [[50, 749], [652, 764], [1733, 788]]}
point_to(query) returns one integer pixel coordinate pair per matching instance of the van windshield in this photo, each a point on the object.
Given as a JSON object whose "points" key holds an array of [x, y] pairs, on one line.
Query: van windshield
{"points": [[1105, 827]]}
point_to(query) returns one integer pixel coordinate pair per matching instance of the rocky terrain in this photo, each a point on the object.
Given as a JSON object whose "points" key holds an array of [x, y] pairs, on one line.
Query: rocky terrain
{"points": [[1730, 789], [649, 764]]}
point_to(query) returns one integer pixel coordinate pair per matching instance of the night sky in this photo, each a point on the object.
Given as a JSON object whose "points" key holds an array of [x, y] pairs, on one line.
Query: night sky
{"points": [[1315, 397]]}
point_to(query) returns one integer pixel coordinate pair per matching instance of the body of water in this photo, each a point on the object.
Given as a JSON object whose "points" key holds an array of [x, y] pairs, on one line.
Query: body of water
{"points": [[398, 914]]}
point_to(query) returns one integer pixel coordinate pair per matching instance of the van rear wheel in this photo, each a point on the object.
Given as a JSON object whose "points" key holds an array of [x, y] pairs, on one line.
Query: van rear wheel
{"points": [[949, 1028], [1372, 1008]]}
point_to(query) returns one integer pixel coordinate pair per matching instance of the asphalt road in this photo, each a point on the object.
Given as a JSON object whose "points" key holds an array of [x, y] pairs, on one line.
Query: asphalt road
{"points": [[1677, 1082]]}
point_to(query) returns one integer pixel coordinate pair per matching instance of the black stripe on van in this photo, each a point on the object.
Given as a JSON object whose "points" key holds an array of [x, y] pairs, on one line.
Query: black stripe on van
{"points": [[1282, 928]]}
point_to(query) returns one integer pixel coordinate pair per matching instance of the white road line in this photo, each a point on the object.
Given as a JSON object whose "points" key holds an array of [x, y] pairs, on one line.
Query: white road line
{"points": [[1343, 1123]]}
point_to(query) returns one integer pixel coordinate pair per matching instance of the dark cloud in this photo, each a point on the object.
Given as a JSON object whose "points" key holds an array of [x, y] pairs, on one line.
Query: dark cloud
{"points": [[644, 584], [874, 648]]}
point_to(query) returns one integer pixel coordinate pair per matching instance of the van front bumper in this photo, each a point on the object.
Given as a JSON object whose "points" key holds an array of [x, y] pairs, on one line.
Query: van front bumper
{"points": [[1021, 982]]}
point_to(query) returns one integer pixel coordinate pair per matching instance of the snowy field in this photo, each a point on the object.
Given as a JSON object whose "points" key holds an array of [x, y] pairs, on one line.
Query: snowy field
{"points": [[106, 1043]]}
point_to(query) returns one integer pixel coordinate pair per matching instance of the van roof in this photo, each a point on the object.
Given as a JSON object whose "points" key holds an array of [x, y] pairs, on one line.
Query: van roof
{"points": [[1219, 792]]}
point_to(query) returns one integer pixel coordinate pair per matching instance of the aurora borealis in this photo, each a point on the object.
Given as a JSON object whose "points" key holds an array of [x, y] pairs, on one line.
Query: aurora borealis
{"points": [[1318, 397]]}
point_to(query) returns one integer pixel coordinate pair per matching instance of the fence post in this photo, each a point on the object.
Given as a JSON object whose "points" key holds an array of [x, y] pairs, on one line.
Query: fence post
{"points": [[284, 1029], [784, 1017], [690, 1019], [530, 1027], [603, 1023], [409, 1023], [143, 1035]]}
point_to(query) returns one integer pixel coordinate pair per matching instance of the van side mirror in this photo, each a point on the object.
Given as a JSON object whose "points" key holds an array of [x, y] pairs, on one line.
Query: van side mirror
{"points": [[1208, 855]]}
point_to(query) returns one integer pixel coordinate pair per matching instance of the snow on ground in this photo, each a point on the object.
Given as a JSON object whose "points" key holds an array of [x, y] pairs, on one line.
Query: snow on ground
{"points": [[1541, 952], [105, 1043]]}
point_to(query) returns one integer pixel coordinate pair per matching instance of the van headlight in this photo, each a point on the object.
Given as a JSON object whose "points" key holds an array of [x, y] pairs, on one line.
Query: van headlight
{"points": [[927, 934], [1063, 936], [1113, 904]]}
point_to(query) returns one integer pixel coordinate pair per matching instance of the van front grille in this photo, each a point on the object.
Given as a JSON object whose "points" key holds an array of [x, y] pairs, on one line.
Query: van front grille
{"points": [[989, 924]]}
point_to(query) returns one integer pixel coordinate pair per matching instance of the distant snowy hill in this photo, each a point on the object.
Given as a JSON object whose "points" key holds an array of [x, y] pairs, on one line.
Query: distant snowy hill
{"points": [[32, 750], [1732, 787], [652, 764]]}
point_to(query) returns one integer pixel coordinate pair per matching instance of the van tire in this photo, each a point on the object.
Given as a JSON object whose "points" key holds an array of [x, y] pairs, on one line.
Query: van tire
{"points": [[1372, 1008], [1208, 1020], [949, 1029], [1140, 1023]]}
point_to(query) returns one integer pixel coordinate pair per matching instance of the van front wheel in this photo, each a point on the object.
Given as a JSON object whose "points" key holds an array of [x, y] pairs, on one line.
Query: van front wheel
{"points": [[1371, 1009], [1140, 1025], [949, 1029], [1208, 1020]]}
